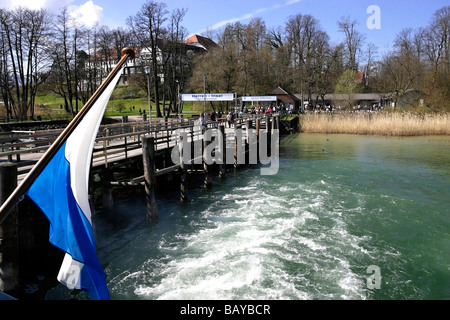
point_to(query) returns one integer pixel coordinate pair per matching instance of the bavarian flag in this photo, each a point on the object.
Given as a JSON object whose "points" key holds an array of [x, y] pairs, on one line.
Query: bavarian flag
{"points": [[61, 192]]}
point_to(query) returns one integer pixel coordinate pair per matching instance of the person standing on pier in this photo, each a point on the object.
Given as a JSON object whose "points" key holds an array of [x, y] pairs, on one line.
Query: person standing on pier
{"points": [[229, 119]]}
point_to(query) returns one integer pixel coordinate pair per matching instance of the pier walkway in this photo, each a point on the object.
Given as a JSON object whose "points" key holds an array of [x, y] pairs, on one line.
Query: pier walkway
{"points": [[115, 142]]}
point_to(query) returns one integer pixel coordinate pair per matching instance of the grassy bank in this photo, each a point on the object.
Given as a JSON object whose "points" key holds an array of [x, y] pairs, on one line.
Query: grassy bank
{"points": [[386, 123], [49, 107]]}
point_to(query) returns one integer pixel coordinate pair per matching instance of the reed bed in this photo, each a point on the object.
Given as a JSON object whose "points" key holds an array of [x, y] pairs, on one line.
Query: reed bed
{"points": [[385, 123]]}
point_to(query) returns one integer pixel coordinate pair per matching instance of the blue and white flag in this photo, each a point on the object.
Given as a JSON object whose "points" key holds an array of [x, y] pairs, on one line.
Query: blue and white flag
{"points": [[61, 191]]}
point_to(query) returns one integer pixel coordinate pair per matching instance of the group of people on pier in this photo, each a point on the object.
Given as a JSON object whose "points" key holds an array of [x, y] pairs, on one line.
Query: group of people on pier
{"points": [[230, 116], [218, 117]]}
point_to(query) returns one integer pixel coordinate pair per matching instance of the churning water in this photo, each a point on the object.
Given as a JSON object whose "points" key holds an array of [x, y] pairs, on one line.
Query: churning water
{"points": [[346, 217]]}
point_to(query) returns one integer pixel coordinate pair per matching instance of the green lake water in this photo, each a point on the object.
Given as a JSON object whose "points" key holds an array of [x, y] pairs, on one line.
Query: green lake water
{"points": [[346, 217]]}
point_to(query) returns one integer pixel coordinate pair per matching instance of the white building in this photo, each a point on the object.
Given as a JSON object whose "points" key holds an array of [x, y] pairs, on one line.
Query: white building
{"points": [[104, 62]]}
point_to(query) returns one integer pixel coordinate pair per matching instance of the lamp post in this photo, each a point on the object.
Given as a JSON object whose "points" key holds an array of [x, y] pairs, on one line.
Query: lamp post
{"points": [[147, 72], [204, 97]]}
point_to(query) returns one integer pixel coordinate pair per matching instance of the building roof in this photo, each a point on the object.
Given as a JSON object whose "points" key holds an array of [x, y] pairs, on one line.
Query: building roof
{"points": [[280, 91], [202, 42], [360, 77], [341, 96]]}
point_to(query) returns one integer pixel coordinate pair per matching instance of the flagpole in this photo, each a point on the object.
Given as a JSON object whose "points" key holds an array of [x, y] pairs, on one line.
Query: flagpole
{"points": [[14, 198]]}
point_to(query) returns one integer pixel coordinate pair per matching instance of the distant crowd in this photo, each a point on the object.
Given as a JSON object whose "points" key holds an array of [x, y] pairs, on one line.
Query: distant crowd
{"points": [[229, 117]]}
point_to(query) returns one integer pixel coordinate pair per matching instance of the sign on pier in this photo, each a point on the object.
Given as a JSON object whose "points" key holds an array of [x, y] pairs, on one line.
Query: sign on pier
{"points": [[209, 97]]}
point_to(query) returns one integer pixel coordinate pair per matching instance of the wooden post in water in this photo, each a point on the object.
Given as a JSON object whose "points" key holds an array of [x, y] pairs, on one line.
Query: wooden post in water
{"points": [[258, 127], [277, 122], [148, 158], [206, 167], [107, 192], [223, 166], [183, 179], [235, 149], [248, 127], [9, 243], [276, 126], [269, 133]]}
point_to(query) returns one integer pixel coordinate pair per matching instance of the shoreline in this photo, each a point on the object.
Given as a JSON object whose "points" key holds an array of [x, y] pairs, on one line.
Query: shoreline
{"points": [[383, 124]]}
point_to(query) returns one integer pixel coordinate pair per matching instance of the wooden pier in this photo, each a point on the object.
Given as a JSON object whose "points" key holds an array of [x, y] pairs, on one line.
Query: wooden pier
{"points": [[119, 145], [126, 155]]}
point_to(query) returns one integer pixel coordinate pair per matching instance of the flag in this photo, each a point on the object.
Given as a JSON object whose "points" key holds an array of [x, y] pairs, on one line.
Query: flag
{"points": [[61, 192]]}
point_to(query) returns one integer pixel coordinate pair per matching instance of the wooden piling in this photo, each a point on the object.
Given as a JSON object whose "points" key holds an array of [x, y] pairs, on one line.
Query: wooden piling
{"points": [[269, 133], [248, 124], [107, 192], [222, 166], [235, 150], [207, 167], [248, 128], [277, 122], [9, 245], [276, 126], [148, 158], [183, 177], [258, 127]]}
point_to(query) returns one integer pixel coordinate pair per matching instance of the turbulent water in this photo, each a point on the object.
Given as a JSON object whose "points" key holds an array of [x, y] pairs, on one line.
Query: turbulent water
{"points": [[346, 217]]}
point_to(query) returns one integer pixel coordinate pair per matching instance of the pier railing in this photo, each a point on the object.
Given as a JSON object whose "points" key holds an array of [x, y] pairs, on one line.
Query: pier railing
{"points": [[114, 142]]}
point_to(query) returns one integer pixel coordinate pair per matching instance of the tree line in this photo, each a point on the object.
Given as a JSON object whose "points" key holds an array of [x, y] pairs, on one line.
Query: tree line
{"points": [[301, 58], [52, 51], [55, 53]]}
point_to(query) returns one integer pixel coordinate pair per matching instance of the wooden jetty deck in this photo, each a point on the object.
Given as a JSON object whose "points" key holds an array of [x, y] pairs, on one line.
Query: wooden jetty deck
{"points": [[145, 149], [114, 143], [127, 158]]}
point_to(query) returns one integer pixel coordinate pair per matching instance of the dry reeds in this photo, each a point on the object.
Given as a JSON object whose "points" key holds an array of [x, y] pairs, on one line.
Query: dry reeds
{"points": [[385, 123]]}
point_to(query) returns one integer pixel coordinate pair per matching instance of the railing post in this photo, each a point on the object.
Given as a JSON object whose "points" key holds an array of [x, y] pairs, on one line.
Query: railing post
{"points": [[107, 135], [126, 147], [105, 152]]}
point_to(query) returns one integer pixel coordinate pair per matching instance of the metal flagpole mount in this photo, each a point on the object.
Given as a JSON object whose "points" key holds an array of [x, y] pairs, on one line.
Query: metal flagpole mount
{"points": [[128, 51]]}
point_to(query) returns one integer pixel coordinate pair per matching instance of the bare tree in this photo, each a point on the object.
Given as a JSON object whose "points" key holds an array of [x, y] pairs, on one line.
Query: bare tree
{"points": [[353, 41], [371, 58], [258, 56], [91, 74], [437, 42], [6, 83], [281, 56], [400, 72], [308, 45], [437, 51], [331, 65], [148, 27], [64, 59], [24, 34], [121, 38], [174, 55]]}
